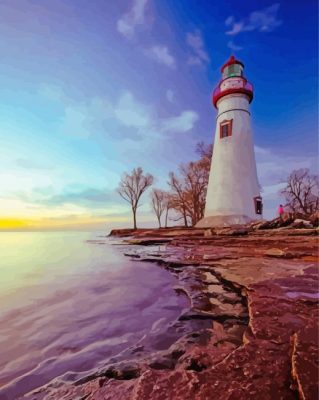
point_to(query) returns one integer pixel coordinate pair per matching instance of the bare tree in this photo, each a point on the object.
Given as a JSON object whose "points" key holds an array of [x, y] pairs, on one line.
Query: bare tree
{"points": [[302, 192], [131, 188], [205, 151], [189, 189], [168, 202], [179, 200], [195, 177], [158, 203]]}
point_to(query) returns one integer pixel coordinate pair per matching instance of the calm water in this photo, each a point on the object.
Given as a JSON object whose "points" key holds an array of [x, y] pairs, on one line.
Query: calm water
{"points": [[67, 306]]}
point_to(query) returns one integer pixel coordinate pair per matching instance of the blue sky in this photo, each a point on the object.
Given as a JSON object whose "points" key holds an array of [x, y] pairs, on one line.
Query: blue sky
{"points": [[92, 89]]}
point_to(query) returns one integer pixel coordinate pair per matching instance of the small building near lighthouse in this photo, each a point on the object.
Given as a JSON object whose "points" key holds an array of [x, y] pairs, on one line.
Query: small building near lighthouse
{"points": [[233, 193]]}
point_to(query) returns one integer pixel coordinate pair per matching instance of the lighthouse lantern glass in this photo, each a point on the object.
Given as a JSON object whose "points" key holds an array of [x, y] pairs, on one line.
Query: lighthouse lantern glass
{"points": [[233, 70]]}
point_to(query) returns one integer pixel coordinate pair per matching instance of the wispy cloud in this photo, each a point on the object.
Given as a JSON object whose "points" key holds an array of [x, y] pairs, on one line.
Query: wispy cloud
{"points": [[135, 18], [83, 119], [88, 197], [233, 46], [265, 20], [127, 24], [32, 164], [182, 123], [127, 115], [170, 95], [199, 55], [162, 55], [130, 113], [86, 118]]}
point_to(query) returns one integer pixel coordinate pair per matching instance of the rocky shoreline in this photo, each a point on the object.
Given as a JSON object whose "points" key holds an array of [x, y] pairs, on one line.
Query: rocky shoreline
{"points": [[251, 330]]}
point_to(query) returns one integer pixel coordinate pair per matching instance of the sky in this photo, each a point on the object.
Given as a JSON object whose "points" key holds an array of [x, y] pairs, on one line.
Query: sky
{"points": [[90, 90]]}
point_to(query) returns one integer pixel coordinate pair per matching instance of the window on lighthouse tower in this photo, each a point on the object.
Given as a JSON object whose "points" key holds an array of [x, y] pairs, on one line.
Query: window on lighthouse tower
{"points": [[225, 128]]}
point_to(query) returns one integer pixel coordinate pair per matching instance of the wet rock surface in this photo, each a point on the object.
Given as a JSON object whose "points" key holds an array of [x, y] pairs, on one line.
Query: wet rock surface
{"points": [[251, 330]]}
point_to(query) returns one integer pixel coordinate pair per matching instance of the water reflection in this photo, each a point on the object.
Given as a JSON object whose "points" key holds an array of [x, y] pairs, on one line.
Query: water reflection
{"points": [[67, 306]]}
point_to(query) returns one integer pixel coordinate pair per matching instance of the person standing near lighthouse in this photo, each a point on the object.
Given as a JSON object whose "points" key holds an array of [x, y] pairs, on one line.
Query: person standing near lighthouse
{"points": [[233, 193]]}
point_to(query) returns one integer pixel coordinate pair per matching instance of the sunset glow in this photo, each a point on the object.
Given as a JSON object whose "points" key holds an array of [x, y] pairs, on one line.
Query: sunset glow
{"points": [[99, 90]]}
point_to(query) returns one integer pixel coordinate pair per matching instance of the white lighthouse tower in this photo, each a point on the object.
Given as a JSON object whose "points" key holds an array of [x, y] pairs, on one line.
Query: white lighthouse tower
{"points": [[233, 194]]}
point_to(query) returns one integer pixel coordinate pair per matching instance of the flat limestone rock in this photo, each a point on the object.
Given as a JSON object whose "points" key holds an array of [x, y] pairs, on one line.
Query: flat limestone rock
{"points": [[305, 369], [275, 253], [254, 298]]}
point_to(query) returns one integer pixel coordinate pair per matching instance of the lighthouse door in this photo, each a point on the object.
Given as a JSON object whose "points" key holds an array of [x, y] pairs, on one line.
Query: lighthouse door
{"points": [[258, 205]]}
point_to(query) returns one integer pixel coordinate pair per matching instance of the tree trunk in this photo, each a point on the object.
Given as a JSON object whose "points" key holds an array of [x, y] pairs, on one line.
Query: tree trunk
{"points": [[166, 217], [185, 219], [159, 221], [134, 218]]}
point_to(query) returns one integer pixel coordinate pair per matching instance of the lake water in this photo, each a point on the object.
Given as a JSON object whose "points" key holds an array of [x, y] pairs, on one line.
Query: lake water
{"points": [[68, 305]]}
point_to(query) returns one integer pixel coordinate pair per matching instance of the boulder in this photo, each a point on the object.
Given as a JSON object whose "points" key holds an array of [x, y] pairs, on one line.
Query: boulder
{"points": [[314, 218], [301, 223], [233, 231], [275, 223], [256, 224]]}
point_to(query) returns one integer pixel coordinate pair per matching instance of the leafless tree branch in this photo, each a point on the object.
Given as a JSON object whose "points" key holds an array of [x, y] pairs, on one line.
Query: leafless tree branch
{"points": [[131, 188]]}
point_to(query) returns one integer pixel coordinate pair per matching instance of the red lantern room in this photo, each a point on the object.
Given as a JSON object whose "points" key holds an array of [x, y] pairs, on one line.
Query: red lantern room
{"points": [[233, 81]]}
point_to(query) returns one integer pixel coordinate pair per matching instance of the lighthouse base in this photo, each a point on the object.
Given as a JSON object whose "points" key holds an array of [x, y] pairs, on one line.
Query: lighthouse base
{"points": [[223, 221]]}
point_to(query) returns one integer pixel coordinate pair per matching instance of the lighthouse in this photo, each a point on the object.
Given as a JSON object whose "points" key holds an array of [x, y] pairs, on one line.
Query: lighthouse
{"points": [[233, 193]]}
